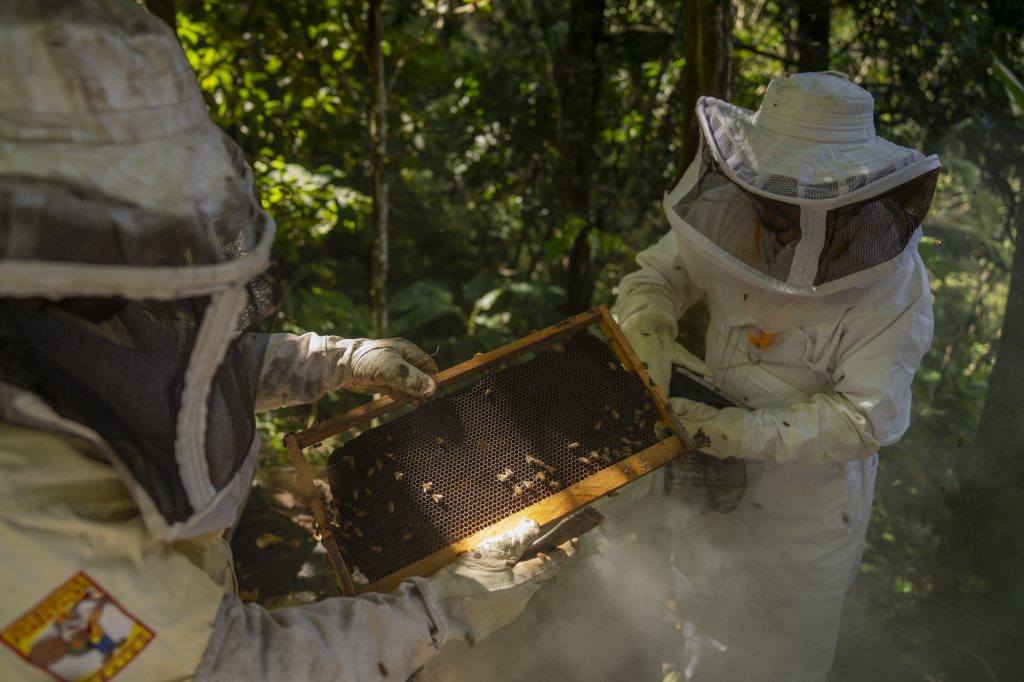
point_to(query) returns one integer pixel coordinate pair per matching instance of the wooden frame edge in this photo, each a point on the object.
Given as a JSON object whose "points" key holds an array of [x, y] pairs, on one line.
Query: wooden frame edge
{"points": [[478, 363], [549, 509], [620, 344], [309, 490]]}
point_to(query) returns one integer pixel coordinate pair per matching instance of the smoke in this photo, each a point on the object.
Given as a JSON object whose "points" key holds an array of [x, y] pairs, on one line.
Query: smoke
{"points": [[611, 614]]}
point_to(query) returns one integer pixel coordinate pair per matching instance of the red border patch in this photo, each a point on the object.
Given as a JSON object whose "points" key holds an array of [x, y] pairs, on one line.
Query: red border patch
{"points": [[78, 633]]}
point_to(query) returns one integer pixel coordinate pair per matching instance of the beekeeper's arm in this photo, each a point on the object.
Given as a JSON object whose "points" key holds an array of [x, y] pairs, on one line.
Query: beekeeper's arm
{"points": [[651, 300], [381, 636], [880, 349], [296, 370]]}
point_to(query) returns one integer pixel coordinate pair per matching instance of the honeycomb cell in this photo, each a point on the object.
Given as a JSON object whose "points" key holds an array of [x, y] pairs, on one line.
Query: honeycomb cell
{"points": [[468, 459]]}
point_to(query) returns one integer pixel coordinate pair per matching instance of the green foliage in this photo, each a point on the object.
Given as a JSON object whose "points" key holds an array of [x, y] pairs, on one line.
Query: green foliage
{"points": [[507, 193]]}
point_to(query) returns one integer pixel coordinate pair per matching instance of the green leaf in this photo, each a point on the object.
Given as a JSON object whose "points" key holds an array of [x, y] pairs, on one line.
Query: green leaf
{"points": [[1014, 88]]}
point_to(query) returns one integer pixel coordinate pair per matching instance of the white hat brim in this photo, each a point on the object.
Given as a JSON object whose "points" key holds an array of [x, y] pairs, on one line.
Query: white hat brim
{"points": [[790, 168]]}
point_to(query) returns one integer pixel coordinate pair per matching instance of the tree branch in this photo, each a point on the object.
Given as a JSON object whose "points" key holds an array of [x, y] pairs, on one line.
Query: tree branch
{"points": [[739, 44]]}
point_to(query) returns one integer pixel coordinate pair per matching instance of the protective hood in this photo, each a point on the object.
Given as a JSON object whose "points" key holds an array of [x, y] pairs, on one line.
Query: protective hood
{"points": [[132, 252], [807, 164]]}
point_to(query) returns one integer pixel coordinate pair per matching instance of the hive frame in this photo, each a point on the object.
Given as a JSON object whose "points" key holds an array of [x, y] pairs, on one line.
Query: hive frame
{"points": [[550, 509]]}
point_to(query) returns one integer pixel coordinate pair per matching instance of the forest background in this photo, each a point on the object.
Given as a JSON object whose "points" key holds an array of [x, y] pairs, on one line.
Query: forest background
{"points": [[461, 173]]}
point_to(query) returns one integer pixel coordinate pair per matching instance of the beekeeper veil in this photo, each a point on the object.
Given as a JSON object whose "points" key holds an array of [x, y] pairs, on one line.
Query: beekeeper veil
{"points": [[806, 168], [132, 252]]}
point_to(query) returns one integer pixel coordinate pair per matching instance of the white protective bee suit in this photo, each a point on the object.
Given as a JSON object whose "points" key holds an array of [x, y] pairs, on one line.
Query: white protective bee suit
{"points": [[132, 260], [818, 338]]}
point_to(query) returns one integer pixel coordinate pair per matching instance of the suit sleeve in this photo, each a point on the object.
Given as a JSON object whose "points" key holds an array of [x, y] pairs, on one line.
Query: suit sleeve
{"points": [[870, 404]]}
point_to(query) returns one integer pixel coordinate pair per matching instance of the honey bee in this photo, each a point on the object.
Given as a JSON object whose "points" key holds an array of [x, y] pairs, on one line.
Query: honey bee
{"points": [[527, 484], [585, 461], [573, 446], [534, 461], [557, 347], [554, 485], [488, 391], [347, 459], [399, 475], [390, 507], [517, 490], [615, 413], [370, 472], [625, 440], [367, 492], [598, 424], [355, 494], [360, 514], [389, 455], [358, 533], [439, 440], [407, 536], [427, 487], [380, 465], [388, 438], [375, 549], [612, 366], [505, 475], [540, 476], [437, 497]]}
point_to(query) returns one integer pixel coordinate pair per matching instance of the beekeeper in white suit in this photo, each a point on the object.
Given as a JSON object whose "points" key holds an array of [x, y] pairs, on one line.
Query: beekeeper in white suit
{"points": [[799, 226], [132, 259]]}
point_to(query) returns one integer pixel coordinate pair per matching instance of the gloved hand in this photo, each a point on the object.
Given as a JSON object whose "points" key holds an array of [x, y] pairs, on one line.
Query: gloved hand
{"points": [[653, 340], [488, 587], [724, 428], [392, 366]]}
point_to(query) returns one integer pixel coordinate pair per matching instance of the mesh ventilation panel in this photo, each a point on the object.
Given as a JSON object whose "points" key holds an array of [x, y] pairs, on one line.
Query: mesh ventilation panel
{"points": [[473, 457]]}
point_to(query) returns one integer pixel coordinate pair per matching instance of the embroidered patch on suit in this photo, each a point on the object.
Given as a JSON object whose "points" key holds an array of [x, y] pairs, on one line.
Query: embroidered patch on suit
{"points": [[78, 632]]}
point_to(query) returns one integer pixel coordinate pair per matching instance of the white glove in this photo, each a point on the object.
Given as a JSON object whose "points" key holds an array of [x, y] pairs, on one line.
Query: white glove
{"points": [[653, 339], [488, 587], [724, 429], [392, 366]]}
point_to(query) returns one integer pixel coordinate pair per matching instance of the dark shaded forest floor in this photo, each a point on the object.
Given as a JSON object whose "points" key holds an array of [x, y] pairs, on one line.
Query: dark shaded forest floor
{"points": [[279, 564]]}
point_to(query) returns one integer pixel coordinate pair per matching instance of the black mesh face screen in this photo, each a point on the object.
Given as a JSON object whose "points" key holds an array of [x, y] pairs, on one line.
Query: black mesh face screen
{"points": [[123, 378], [231, 422], [871, 232], [709, 178], [469, 459], [49, 222]]}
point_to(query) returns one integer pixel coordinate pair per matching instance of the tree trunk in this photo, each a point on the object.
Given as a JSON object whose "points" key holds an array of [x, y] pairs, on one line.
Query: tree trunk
{"points": [[985, 545], [814, 17], [379, 138], [707, 48], [579, 84]]}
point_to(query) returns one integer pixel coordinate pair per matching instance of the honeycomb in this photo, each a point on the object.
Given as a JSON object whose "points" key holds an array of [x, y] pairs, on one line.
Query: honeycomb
{"points": [[472, 457]]}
